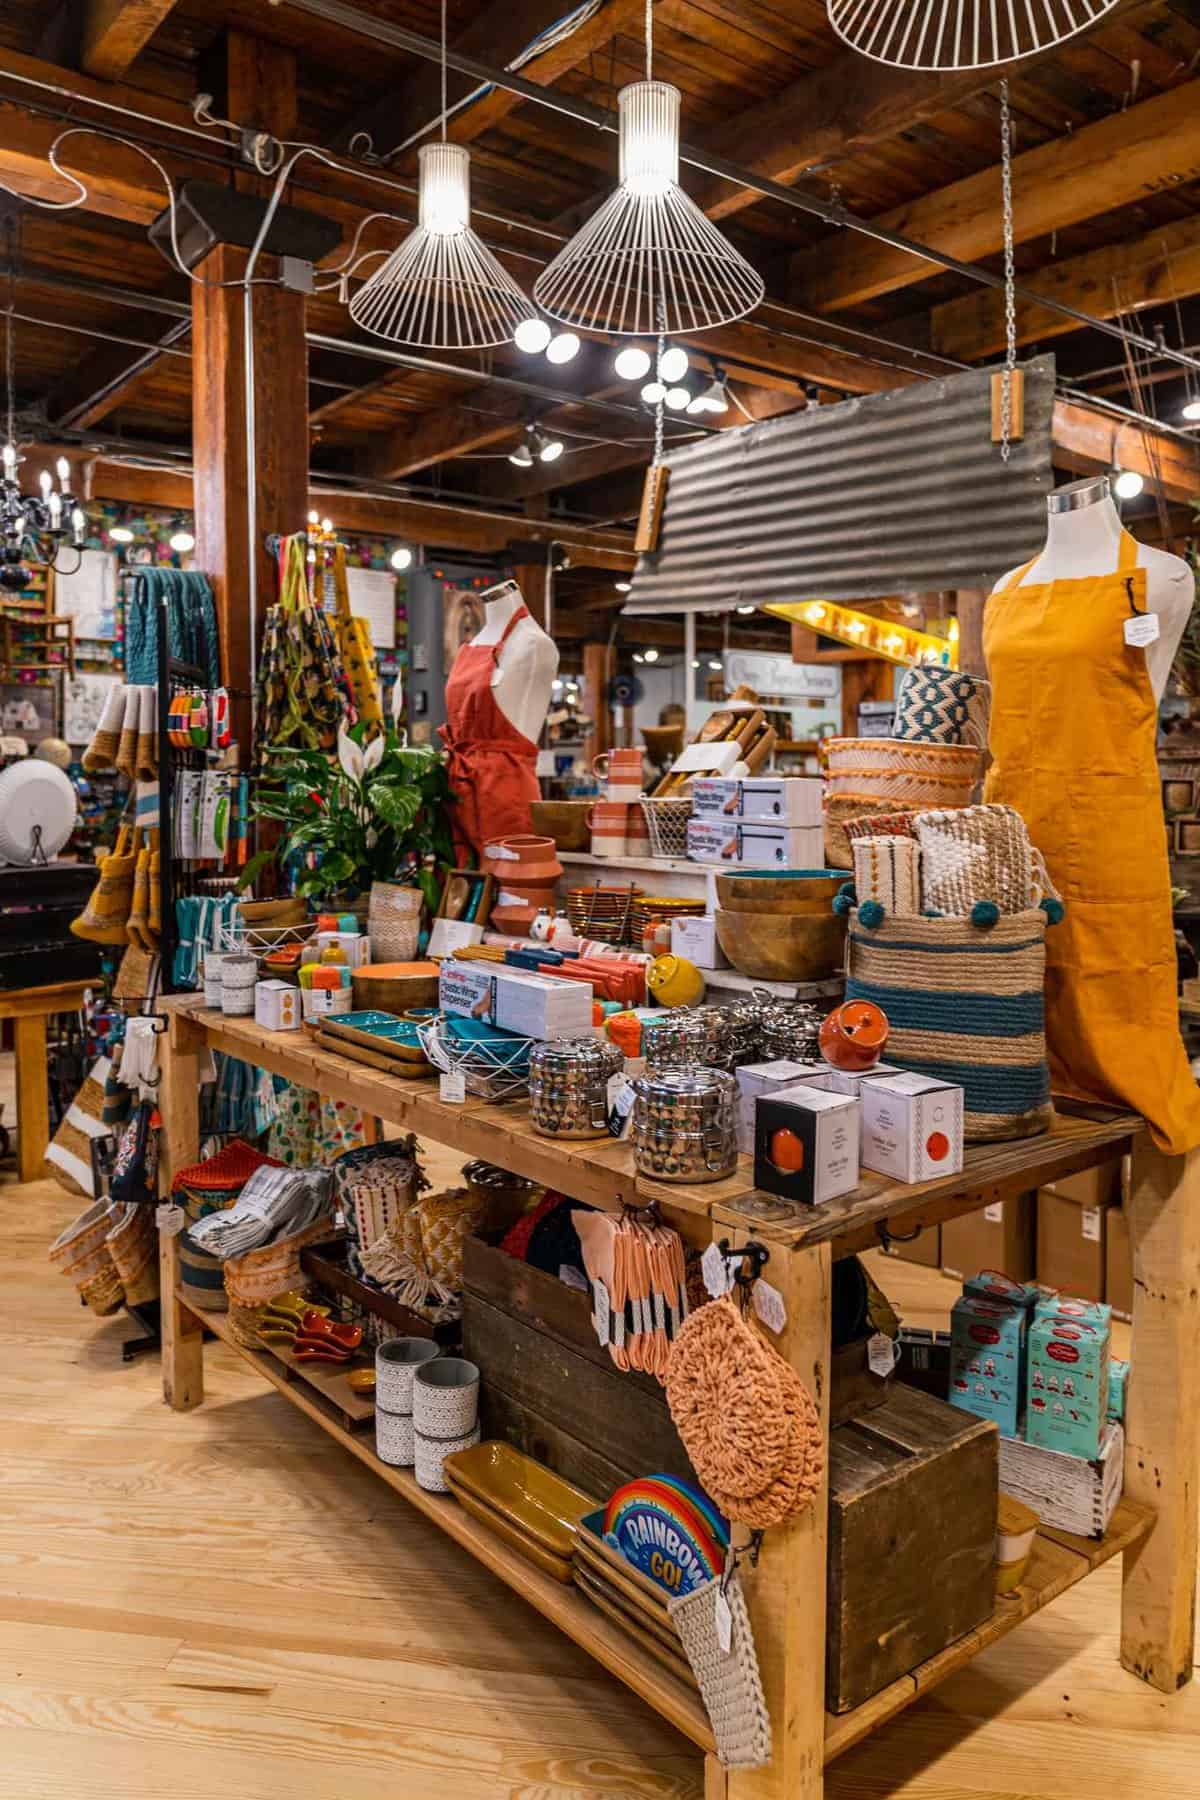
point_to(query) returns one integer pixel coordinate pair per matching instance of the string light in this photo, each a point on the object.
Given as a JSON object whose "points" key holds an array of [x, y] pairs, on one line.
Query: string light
{"points": [[532, 336], [632, 362], [894, 642], [401, 558]]}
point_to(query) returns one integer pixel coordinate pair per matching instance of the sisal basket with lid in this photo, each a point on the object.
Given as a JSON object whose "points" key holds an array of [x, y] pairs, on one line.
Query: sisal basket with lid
{"points": [[897, 769]]}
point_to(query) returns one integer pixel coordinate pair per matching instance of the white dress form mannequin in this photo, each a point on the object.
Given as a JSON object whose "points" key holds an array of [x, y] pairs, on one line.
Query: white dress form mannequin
{"points": [[1082, 538], [527, 664]]}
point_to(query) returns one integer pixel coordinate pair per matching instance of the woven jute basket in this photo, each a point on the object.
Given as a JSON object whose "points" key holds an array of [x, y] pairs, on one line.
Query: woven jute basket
{"points": [[133, 1245], [103, 1292], [78, 1251], [253, 1279], [895, 769], [843, 812], [965, 1004], [974, 853], [394, 921]]}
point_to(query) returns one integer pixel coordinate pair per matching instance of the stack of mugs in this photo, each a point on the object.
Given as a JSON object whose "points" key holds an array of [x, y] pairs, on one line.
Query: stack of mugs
{"points": [[426, 1407], [618, 827]]}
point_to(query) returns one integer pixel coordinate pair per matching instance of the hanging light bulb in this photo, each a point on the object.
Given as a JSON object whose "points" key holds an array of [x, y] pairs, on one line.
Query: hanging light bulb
{"points": [[532, 336], [622, 587], [747, 609], [522, 456], [1191, 411], [632, 362], [182, 541], [401, 558], [712, 399], [648, 260], [653, 392], [650, 656], [442, 288], [63, 470], [1128, 484], [549, 449], [673, 364], [121, 534], [678, 398], [563, 348]]}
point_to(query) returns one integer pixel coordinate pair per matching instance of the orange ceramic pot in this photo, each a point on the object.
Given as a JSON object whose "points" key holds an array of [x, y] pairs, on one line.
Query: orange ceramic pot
{"points": [[854, 1035]]}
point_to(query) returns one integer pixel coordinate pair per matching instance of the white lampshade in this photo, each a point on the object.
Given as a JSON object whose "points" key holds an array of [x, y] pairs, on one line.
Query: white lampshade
{"points": [[959, 34]]}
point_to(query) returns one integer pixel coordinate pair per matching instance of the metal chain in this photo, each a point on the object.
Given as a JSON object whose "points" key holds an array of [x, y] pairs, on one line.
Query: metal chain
{"points": [[443, 71], [658, 408], [1010, 305], [9, 352]]}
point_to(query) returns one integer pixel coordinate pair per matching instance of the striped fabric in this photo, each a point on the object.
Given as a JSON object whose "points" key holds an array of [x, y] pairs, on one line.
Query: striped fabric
{"points": [[965, 1004]]}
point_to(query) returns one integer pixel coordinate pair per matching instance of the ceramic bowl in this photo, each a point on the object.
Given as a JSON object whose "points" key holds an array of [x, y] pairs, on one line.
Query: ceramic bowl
{"points": [[540, 1503], [761, 889], [782, 947], [557, 1567], [361, 1380]]}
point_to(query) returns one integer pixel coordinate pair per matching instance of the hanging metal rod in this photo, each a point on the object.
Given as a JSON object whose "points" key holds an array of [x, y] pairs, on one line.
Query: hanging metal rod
{"points": [[382, 31]]}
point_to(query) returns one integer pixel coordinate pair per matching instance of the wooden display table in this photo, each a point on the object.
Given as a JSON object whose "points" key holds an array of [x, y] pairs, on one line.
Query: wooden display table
{"points": [[29, 1008], [1155, 1526]]}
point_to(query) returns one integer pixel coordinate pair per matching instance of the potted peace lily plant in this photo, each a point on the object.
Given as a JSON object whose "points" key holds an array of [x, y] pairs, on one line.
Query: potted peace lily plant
{"points": [[375, 813]]}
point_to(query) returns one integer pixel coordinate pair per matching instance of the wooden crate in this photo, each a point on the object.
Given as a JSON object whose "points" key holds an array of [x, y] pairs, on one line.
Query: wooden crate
{"points": [[912, 1526]]}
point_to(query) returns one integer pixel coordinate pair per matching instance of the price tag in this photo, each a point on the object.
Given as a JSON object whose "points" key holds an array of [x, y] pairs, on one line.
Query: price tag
{"points": [[1089, 1223], [169, 1219], [768, 1304], [1142, 629], [724, 1621], [994, 1214], [620, 1106], [452, 1087], [717, 1273], [881, 1354], [602, 1317]]}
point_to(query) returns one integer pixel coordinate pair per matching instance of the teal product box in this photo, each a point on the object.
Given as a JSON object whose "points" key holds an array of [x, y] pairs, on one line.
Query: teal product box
{"points": [[1118, 1384], [990, 1284], [1068, 1385], [1062, 1306], [987, 1361]]}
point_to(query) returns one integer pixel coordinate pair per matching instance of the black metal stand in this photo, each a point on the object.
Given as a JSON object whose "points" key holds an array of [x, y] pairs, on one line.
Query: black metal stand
{"points": [[149, 1316]]}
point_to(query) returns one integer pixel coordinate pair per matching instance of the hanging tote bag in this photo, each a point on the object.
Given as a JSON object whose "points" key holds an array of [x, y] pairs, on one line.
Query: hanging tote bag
{"points": [[302, 691], [357, 652], [965, 1004]]}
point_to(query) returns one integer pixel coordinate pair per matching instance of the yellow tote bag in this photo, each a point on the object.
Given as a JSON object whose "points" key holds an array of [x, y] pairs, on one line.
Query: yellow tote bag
{"points": [[357, 651]]}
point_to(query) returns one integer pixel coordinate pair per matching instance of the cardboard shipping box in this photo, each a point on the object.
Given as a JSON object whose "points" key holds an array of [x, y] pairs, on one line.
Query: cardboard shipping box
{"points": [[925, 1248], [1001, 1237], [1118, 1263], [1071, 1242]]}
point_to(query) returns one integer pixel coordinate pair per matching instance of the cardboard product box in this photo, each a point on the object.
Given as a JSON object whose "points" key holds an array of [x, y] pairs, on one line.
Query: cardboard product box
{"points": [[1052, 1304], [756, 1079], [912, 1127], [717, 839], [925, 1249], [697, 940], [1118, 1388], [1118, 1263], [845, 1081], [806, 1144], [1000, 1239], [794, 800], [1101, 1186], [1069, 1493], [536, 1006], [991, 1284], [987, 1361], [1071, 1248], [1068, 1385]]}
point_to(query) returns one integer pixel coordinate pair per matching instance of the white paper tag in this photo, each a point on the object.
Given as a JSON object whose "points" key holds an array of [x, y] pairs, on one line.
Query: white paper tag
{"points": [[1089, 1223], [717, 1273], [620, 1106], [724, 1621], [881, 1354], [452, 1087], [169, 1219], [1142, 629], [658, 1301], [994, 1214], [602, 1317], [768, 1304], [572, 1277], [339, 1220]]}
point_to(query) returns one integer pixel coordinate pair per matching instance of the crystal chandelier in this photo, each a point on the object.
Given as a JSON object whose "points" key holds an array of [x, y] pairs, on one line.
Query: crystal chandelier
{"points": [[649, 261], [959, 34], [32, 527]]}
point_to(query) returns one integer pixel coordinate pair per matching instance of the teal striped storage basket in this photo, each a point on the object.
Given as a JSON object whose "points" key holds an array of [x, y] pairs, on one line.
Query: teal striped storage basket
{"points": [[965, 1003]]}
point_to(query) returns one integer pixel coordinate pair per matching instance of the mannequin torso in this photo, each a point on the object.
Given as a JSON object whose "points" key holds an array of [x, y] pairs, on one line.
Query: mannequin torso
{"points": [[1083, 537], [527, 663]]}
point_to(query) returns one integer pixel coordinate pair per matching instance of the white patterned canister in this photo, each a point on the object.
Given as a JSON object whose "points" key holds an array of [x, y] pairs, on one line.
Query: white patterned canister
{"points": [[396, 1362], [212, 977], [394, 1439], [238, 977], [431, 1453], [445, 1397]]}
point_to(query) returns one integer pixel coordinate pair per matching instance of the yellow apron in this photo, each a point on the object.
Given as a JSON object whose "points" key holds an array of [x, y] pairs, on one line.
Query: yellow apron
{"points": [[1073, 741]]}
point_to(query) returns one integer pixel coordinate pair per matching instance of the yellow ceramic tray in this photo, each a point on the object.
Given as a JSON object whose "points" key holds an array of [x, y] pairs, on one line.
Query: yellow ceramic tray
{"points": [[543, 1505], [559, 1568]]}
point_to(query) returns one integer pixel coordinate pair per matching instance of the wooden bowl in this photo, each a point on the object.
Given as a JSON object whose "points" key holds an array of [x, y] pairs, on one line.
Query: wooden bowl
{"points": [[393, 987], [566, 821], [775, 907], [782, 947], [793, 886]]}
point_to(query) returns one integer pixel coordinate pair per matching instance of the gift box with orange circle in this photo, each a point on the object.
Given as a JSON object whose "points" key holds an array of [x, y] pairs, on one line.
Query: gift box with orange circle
{"points": [[806, 1144], [912, 1127]]}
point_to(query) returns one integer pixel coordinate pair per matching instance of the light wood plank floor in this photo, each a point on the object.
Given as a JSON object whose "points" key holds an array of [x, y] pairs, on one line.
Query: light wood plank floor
{"points": [[223, 1603]]}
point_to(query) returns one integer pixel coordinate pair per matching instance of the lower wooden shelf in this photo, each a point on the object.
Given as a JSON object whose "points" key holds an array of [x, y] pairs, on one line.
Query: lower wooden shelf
{"points": [[1059, 1560]]}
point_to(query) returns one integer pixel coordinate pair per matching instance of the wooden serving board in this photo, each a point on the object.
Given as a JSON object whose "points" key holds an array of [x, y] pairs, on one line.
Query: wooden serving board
{"points": [[376, 1059], [329, 1380]]}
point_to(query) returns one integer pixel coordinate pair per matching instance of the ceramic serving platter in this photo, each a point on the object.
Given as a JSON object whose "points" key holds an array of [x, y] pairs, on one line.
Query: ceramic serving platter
{"points": [[544, 1506], [557, 1567], [630, 1622]]}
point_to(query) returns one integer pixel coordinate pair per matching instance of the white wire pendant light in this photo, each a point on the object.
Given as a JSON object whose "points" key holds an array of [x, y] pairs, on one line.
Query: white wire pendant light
{"points": [[959, 34], [649, 261], [442, 289]]}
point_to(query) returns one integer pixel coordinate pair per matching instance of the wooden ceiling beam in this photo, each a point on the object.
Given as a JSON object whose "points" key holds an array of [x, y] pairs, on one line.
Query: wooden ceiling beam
{"points": [[1085, 439], [115, 32], [1103, 166], [1153, 270], [480, 417], [93, 389]]}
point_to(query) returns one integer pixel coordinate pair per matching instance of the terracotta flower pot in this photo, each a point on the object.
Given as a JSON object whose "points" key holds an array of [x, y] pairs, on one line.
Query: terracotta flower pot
{"points": [[523, 860]]}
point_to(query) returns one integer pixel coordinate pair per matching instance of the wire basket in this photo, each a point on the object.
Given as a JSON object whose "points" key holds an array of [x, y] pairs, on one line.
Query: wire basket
{"points": [[495, 1067], [250, 941], [667, 823]]}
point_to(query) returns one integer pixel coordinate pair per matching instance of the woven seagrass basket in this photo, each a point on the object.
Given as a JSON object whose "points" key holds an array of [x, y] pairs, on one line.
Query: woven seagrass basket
{"points": [[965, 1004], [259, 1275], [895, 769], [844, 811]]}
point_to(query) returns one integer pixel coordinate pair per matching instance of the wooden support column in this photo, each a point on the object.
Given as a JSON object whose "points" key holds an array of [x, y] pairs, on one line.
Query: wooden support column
{"points": [[529, 565], [969, 610], [597, 672], [1162, 1430], [261, 90], [179, 1103]]}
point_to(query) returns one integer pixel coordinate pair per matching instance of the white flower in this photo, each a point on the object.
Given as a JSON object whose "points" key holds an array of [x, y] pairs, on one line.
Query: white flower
{"points": [[350, 756], [374, 754], [397, 698]]}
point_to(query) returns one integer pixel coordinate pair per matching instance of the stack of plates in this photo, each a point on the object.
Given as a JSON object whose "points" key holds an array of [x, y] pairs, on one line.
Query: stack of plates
{"points": [[663, 906], [627, 1597], [603, 911], [533, 1510]]}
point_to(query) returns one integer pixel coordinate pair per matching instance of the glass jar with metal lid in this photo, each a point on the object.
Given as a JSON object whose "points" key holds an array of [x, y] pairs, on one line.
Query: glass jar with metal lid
{"points": [[688, 1037], [568, 1086], [684, 1125]]}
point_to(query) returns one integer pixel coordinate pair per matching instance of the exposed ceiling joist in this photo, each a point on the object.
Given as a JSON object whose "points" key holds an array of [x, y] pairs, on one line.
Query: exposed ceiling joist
{"points": [[107, 378], [1094, 170], [1153, 270], [482, 417], [115, 32], [1087, 438]]}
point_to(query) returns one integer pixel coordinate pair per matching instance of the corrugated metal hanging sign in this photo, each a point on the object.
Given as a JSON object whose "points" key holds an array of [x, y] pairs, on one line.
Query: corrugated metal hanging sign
{"points": [[889, 493]]}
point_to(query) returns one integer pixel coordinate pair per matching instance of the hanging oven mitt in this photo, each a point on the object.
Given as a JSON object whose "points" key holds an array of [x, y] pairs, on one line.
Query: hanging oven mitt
{"points": [[101, 753], [126, 757]]}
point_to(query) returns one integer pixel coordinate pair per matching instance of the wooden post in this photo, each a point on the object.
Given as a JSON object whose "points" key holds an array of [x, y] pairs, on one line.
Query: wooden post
{"points": [[530, 576], [786, 1592], [969, 609], [260, 82], [1162, 1445], [179, 1104], [597, 670]]}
